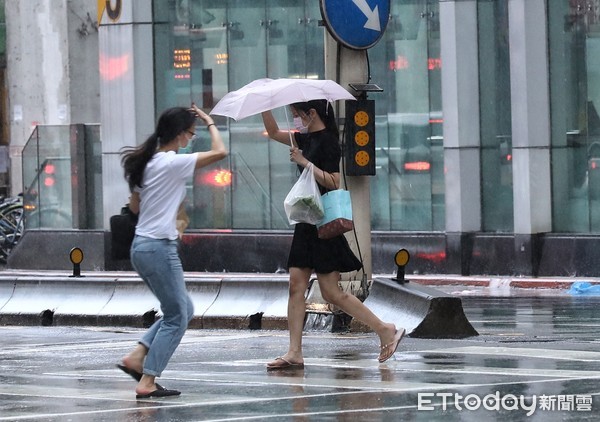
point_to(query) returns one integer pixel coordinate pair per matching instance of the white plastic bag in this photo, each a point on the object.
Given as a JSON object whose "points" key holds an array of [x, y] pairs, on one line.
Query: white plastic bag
{"points": [[303, 203]]}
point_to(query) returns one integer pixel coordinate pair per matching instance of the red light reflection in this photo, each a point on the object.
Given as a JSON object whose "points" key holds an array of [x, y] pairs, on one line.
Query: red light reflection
{"points": [[434, 63], [218, 178], [49, 168], [112, 68], [433, 257], [417, 166], [401, 63]]}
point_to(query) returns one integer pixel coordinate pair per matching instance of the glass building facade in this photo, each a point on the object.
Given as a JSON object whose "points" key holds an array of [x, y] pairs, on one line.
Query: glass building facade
{"points": [[495, 116], [204, 49], [487, 129], [574, 45]]}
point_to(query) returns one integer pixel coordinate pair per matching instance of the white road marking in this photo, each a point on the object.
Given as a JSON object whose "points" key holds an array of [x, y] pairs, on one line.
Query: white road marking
{"points": [[382, 378], [558, 354]]}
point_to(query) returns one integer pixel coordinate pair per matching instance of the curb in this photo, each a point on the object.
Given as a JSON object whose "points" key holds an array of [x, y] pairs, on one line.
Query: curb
{"points": [[562, 283]]}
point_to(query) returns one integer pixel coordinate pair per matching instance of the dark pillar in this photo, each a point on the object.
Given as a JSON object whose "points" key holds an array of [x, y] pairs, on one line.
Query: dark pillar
{"points": [[459, 249], [528, 252]]}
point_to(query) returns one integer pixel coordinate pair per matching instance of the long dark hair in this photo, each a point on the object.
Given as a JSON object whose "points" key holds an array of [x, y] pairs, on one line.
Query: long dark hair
{"points": [[325, 112], [170, 124]]}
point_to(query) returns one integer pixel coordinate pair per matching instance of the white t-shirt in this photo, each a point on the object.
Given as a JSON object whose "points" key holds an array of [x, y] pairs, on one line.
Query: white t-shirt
{"points": [[163, 190]]}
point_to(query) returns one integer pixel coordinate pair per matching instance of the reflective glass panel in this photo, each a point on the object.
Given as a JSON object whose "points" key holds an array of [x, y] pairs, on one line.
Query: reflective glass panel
{"points": [[495, 116], [408, 191], [47, 179], [574, 43]]}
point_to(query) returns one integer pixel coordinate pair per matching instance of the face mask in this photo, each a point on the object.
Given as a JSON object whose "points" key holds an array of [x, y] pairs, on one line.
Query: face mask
{"points": [[300, 126], [186, 149]]}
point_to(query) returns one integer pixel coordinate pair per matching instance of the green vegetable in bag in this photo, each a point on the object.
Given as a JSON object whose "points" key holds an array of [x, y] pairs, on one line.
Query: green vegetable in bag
{"points": [[303, 202]]}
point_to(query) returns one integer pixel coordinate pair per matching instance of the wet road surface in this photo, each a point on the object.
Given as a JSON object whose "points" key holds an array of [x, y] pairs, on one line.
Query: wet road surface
{"points": [[542, 351]]}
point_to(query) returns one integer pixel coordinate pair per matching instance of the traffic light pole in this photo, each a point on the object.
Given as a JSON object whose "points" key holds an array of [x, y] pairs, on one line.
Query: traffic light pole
{"points": [[347, 66]]}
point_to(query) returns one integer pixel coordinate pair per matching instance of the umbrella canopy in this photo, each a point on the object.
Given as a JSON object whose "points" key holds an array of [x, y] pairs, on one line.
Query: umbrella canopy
{"points": [[266, 94]]}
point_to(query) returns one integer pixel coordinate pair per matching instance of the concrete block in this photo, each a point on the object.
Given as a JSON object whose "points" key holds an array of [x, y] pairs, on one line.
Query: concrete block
{"points": [[130, 297], [243, 297], [424, 312], [61, 295], [7, 289], [123, 299], [203, 292]]}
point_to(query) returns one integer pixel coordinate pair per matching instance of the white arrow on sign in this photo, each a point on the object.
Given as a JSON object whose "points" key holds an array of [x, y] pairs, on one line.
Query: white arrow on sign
{"points": [[372, 15]]}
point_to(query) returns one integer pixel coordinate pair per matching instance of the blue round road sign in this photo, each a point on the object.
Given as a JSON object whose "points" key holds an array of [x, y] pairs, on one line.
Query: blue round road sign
{"points": [[357, 24]]}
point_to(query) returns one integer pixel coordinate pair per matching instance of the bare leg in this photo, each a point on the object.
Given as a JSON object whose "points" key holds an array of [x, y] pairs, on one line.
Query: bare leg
{"points": [[351, 305], [135, 359], [146, 385], [299, 278]]}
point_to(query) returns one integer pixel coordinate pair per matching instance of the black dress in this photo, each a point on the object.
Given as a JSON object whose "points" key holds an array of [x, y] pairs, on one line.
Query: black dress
{"points": [[308, 251]]}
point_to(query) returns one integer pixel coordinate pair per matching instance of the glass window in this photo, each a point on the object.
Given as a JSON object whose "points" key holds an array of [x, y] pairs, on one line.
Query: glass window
{"points": [[574, 46], [206, 48], [47, 178], [495, 116], [408, 191]]}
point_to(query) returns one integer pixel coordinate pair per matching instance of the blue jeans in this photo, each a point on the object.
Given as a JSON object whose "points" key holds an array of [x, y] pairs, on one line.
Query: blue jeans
{"points": [[158, 263]]}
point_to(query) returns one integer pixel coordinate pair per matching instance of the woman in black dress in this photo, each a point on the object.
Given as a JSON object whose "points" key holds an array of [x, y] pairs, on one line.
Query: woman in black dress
{"points": [[317, 143]]}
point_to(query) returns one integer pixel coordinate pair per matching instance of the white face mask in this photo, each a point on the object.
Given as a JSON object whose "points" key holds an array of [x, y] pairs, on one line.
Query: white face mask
{"points": [[300, 126]]}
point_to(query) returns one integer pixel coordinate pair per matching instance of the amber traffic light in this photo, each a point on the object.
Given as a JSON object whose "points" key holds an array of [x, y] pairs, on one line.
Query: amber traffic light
{"points": [[360, 138]]}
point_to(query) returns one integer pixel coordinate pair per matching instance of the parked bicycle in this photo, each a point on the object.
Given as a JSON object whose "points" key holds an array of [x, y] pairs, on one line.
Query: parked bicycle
{"points": [[11, 224]]}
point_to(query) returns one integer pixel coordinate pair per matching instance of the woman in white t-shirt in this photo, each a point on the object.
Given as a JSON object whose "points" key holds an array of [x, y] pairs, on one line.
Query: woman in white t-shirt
{"points": [[157, 177]]}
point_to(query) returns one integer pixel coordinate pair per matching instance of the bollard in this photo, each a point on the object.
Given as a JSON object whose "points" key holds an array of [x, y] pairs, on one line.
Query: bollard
{"points": [[401, 258], [76, 256]]}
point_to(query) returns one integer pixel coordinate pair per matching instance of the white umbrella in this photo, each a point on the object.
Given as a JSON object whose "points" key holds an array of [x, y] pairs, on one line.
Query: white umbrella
{"points": [[267, 94]]}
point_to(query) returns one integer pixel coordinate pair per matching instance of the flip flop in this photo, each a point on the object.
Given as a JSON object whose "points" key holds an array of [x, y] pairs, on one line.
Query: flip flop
{"points": [[285, 364], [158, 393], [393, 346], [136, 375]]}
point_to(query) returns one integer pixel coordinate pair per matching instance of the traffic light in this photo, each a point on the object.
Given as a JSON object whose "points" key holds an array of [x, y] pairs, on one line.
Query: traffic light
{"points": [[360, 138]]}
